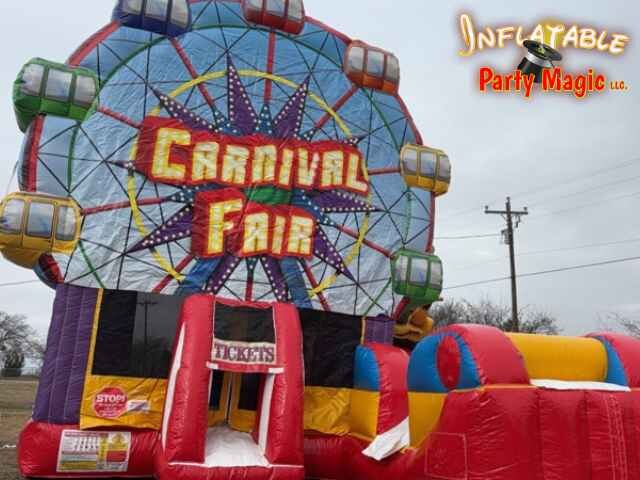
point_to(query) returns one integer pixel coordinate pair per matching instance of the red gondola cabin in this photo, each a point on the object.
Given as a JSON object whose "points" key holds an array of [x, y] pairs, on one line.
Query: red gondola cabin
{"points": [[286, 15]]}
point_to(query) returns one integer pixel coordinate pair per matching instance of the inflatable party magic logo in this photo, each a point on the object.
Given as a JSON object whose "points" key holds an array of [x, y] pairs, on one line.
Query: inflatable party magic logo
{"points": [[540, 70], [242, 185]]}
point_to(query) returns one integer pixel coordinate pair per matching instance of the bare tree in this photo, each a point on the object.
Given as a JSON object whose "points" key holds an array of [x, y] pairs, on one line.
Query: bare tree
{"points": [[18, 341], [617, 321], [489, 313], [448, 312]]}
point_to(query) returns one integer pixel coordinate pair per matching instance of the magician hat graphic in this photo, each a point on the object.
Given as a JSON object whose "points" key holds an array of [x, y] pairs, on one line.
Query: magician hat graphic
{"points": [[538, 57]]}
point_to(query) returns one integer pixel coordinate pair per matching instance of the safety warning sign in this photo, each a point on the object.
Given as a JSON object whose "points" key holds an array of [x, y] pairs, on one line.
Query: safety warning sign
{"points": [[87, 452]]}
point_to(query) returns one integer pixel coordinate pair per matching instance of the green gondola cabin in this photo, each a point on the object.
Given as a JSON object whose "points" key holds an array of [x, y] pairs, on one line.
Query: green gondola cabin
{"points": [[417, 276], [44, 87]]}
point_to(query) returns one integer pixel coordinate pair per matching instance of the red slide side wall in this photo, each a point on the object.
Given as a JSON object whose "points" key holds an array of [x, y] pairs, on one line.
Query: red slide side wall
{"points": [[187, 424], [286, 425], [394, 402]]}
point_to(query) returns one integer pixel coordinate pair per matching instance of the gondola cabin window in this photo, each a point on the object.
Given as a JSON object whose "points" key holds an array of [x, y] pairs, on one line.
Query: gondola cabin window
{"points": [[11, 220], [66, 224], [40, 219], [85, 91], [180, 14], [132, 6], [32, 79], [58, 85], [157, 9]]}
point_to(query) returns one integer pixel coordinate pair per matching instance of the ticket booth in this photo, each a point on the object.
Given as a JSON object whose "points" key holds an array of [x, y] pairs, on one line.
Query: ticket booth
{"points": [[234, 406]]}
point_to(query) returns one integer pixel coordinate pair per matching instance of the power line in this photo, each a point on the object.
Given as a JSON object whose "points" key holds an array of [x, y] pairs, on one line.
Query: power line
{"points": [[549, 214], [589, 190], [547, 272], [14, 284], [467, 237], [581, 247], [552, 250], [462, 213], [550, 186], [587, 205], [579, 177]]}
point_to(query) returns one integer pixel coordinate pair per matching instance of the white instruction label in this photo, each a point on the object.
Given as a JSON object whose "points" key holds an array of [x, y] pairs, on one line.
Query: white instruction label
{"points": [[89, 452]]}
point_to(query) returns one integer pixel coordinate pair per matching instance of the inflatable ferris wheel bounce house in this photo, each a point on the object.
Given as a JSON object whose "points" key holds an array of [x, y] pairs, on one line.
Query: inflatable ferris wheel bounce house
{"points": [[236, 211]]}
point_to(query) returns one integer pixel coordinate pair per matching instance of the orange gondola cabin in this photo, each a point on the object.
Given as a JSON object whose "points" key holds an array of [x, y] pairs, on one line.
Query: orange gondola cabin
{"points": [[372, 67]]}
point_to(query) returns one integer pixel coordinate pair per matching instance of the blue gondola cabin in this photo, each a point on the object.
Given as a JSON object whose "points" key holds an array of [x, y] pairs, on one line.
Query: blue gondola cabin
{"points": [[164, 17]]}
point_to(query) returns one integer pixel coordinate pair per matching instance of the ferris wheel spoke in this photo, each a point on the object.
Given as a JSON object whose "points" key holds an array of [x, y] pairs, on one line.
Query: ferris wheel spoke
{"points": [[314, 284], [179, 268], [368, 243], [271, 53], [192, 71], [383, 171], [120, 117], [336, 107], [121, 205]]}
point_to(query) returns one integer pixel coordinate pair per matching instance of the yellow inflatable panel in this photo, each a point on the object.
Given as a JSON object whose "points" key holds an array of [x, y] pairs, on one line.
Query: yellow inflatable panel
{"points": [[219, 416], [424, 413], [122, 402], [562, 358], [326, 410], [112, 401], [240, 419], [364, 413]]}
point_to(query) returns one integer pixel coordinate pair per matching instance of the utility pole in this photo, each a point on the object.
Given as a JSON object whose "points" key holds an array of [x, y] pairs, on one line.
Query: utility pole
{"points": [[513, 219]]}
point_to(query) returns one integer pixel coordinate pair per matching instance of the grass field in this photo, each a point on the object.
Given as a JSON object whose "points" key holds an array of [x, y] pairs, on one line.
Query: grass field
{"points": [[16, 401]]}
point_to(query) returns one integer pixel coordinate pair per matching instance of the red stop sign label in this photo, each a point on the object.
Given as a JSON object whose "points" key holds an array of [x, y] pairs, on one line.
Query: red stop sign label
{"points": [[110, 402]]}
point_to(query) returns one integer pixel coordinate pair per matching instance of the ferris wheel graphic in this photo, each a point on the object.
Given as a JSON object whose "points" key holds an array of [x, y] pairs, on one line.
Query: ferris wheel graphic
{"points": [[228, 75]]}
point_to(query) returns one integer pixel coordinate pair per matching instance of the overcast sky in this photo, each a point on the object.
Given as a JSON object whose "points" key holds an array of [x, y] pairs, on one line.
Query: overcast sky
{"points": [[499, 145]]}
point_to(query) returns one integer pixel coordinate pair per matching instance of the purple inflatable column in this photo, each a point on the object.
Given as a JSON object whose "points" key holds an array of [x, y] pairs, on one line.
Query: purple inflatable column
{"points": [[65, 362]]}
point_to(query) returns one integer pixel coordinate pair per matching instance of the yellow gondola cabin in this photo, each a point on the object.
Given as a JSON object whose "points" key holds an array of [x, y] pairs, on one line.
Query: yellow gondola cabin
{"points": [[426, 168], [32, 224]]}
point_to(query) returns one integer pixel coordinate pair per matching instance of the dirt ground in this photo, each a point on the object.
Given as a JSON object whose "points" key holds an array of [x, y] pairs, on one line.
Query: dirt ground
{"points": [[16, 401]]}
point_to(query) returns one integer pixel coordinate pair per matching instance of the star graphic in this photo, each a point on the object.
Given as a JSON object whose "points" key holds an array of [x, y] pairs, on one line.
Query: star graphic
{"points": [[210, 275]]}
